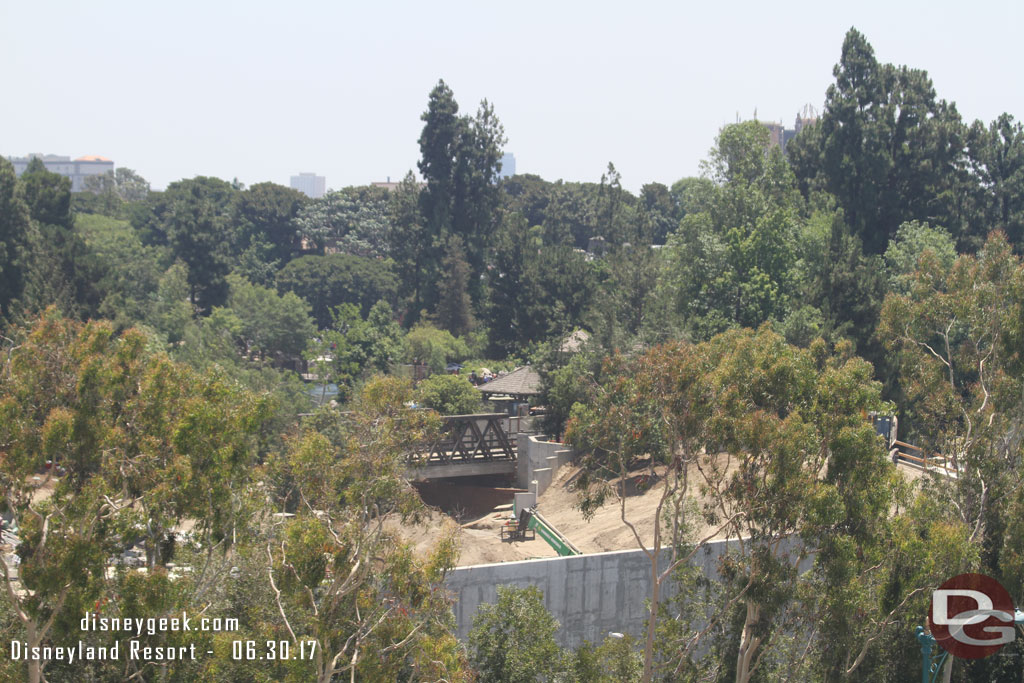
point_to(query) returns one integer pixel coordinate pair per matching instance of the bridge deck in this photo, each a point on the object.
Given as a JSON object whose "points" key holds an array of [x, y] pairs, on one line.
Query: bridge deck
{"points": [[470, 445]]}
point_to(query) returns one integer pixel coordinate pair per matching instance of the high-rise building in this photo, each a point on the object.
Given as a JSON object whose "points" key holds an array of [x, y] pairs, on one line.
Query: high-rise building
{"points": [[508, 166], [310, 184], [779, 136], [76, 169]]}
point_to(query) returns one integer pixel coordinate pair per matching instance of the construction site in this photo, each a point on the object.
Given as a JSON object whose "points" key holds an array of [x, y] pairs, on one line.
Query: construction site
{"points": [[517, 516]]}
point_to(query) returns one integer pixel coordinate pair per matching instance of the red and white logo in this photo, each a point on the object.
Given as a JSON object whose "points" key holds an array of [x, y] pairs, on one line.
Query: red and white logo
{"points": [[971, 616]]}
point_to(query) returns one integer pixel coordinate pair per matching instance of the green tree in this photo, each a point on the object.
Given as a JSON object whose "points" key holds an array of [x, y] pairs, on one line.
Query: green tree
{"points": [[460, 160], [198, 221], [613, 661], [427, 345], [267, 211], [336, 573], [265, 323], [836, 278], [15, 237], [352, 221], [885, 147], [996, 161], [731, 262], [448, 395], [453, 305], [335, 279], [48, 195], [513, 640], [356, 347], [907, 248], [61, 269], [774, 440], [127, 444], [411, 247], [131, 269]]}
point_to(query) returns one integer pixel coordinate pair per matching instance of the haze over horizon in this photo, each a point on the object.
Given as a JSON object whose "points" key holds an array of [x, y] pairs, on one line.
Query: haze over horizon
{"points": [[260, 92]]}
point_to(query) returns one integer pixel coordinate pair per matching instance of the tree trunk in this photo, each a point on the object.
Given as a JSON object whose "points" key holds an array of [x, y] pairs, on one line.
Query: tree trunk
{"points": [[35, 667], [652, 620], [748, 643]]}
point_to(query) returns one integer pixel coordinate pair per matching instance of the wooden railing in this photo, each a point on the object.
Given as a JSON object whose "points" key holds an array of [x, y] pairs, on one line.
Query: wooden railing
{"points": [[919, 456]]}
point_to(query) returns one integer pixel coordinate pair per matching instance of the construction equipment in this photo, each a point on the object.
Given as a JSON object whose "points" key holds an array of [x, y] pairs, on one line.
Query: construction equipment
{"points": [[532, 519]]}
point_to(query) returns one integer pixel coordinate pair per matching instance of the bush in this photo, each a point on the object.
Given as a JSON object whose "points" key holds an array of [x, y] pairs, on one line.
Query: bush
{"points": [[449, 395]]}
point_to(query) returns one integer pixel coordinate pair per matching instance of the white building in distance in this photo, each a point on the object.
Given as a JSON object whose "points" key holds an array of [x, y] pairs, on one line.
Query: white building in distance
{"points": [[508, 166], [310, 184], [76, 169]]}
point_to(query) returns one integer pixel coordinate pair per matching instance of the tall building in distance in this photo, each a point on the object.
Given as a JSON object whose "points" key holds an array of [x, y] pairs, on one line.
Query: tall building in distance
{"points": [[76, 169], [309, 184], [508, 165], [779, 136]]}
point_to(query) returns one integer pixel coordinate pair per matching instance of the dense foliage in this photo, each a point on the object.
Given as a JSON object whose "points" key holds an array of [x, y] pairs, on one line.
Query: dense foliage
{"points": [[160, 352]]}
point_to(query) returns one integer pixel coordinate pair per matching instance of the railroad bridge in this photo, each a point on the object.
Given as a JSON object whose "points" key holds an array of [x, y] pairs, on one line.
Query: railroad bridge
{"points": [[471, 445]]}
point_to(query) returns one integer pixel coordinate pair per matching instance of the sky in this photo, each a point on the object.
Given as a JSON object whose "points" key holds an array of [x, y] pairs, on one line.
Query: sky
{"points": [[260, 91]]}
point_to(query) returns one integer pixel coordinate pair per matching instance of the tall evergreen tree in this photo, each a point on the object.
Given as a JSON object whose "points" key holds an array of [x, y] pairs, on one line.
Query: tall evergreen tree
{"points": [[454, 310], [14, 238], [460, 162], [887, 149]]}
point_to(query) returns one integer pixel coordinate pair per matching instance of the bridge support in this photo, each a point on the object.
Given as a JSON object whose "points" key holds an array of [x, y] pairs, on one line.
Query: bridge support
{"points": [[469, 469]]}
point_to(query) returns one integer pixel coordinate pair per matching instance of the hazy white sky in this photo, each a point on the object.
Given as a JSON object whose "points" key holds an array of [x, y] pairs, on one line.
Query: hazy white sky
{"points": [[263, 90]]}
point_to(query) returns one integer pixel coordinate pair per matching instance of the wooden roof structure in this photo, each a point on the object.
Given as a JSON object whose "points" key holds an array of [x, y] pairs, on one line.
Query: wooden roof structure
{"points": [[523, 381]]}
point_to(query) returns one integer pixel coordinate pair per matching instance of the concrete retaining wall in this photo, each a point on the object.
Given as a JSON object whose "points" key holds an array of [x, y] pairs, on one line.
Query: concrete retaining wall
{"points": [[538, 461], [589, 595]]}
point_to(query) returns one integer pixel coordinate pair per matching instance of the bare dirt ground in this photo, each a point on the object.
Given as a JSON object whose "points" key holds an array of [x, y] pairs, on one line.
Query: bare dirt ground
{"points": [[481, 511], [478, 512]]}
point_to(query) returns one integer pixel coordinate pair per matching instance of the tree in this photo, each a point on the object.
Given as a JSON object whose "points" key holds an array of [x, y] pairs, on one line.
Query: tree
{"points": [[48, 195], [107, 193], [61, 270], [351, 221], [453, 305], [513, 640], [907, 248], [268, 210], [338, 576], [884, 147], [427, 345], [267, 324], [773, 440], [335, 279], [198, 220], [657, 213], [958, 335], [515, 245], [613, 661], [460, 162], [731, 261], [996, 162], [357, 347], [837, 279], [411, 247], [448, 395], [15, 237], [128, 444], [131, 269]]}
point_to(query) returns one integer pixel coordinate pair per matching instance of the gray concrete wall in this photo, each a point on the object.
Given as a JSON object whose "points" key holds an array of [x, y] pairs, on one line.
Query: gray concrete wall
{"points": [[589, 595], [538, 461]]}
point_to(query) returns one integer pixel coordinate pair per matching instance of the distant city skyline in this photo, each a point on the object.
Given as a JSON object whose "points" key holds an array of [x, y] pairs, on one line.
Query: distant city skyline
{"points": [[174, 91]]}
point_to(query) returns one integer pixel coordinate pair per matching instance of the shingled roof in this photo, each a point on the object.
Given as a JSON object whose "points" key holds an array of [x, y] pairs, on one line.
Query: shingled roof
{"points": [[521, 382]]}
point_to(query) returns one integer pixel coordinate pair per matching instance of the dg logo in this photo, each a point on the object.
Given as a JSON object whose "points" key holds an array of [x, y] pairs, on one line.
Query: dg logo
{"points": [[972, 616]]}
